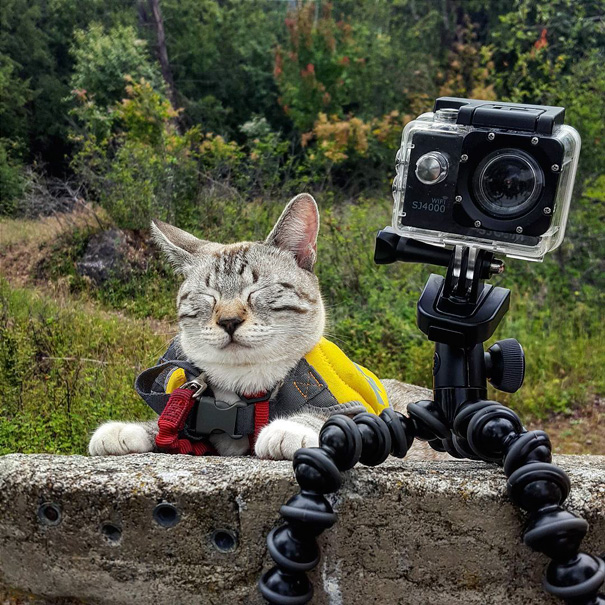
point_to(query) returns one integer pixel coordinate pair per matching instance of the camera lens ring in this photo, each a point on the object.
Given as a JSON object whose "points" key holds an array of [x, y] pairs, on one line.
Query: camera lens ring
{"points": [[507, 183]]}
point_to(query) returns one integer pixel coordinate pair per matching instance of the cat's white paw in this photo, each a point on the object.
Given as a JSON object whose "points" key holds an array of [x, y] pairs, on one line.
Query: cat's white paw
{"points": [[281, 438], [119, 438]]}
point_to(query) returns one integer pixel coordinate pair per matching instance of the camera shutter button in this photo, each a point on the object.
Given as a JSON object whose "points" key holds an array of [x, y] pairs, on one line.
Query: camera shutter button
{"points": [[431, 168]]}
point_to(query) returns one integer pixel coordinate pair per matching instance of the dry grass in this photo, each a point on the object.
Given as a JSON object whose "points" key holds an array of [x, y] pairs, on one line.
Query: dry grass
{"points": [[31, 231], [580, 433], [23, 242]]}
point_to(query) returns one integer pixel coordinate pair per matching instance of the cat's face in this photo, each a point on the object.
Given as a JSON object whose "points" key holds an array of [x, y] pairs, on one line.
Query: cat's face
{"points": [[249, 308]]}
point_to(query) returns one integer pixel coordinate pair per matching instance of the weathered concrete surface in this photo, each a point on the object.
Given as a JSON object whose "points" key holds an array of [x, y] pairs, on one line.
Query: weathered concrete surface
{"points": [[408, 533]]}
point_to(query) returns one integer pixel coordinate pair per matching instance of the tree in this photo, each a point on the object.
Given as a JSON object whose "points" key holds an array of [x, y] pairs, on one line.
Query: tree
{"points": [[103, 59], [162, 52]]}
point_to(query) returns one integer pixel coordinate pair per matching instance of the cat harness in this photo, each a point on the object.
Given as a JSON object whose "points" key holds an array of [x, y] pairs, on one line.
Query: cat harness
{"points": [[324, 380]]}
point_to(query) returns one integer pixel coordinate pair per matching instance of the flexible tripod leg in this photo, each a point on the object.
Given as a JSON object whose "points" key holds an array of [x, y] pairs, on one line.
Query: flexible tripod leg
{"points": [[493, 432], [343, 442]]}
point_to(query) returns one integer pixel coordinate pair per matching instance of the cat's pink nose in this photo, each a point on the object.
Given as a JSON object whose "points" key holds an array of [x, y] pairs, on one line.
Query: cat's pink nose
{"points": [[230, 324]]}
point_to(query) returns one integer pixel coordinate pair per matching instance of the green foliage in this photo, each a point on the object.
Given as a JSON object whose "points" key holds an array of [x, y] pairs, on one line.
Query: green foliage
{"points": [[582, 93], [11, 179], [64, 370], [102, 61], [133, 158], [536, 43], [222, 64], [35, 36], [14, 94], [335, 60]]}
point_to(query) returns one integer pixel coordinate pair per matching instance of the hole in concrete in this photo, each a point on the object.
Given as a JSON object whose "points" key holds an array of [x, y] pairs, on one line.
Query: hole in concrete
{"points": [[49, 513], [112, 532], [166, 514], [224, 540]]}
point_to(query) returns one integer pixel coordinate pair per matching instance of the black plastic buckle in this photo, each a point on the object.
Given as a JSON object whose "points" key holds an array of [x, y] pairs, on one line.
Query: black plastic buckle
{"points": [[210, 416]]}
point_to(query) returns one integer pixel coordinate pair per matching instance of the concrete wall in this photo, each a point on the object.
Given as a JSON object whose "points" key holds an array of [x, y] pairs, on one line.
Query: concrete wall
{"points": [[409, 532]]}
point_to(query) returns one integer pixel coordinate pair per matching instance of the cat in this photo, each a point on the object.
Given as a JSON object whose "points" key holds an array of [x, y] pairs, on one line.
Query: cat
{"points": [[247, 312]]}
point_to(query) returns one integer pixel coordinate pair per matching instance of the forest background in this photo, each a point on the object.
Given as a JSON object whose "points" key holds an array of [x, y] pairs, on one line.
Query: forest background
{"points": [[211, 114]]}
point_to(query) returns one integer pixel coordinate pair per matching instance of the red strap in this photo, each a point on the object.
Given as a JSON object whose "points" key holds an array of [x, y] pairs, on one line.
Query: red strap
{"points": [[261, 417], [172, 421], [173, 417]]}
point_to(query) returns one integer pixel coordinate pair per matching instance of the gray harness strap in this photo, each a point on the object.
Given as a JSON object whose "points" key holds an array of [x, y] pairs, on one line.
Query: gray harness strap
{"points": [[151, 388], [303, 389]]}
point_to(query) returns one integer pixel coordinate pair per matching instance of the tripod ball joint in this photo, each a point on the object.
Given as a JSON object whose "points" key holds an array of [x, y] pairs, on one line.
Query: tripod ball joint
{"points": [[341, 438], [315, 470], [576, 580], [491, 430], [555, 532], [537, 485], [308, 512], [429, 421], [533, 446], [285, 588], [293, 551], [375, 438], [402, 431]]}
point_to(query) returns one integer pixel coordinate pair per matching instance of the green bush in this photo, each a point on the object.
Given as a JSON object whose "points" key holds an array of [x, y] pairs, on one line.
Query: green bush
{"points": [[536, 44], [102, 61], [11, 180], [133, 157], [64, 370]]}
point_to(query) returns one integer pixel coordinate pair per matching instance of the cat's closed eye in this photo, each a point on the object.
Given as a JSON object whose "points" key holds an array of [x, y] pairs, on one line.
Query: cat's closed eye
{"points": [[192, 305], [292, 308], [189, 314]]}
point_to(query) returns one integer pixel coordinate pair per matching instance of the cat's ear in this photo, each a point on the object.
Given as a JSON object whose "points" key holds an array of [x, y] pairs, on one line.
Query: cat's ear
{"points": [[178, 245], [296, 230]]}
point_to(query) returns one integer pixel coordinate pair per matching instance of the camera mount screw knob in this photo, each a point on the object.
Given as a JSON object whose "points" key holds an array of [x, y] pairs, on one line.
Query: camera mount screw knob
{"points": [[491, 136], [534, 140], [477, 224], [547, 210], [519, 229], [555, 167], [458, 199], [464, 157], [505, 365]]}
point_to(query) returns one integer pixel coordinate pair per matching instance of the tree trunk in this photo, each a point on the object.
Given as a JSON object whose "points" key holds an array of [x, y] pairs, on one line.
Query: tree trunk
{"points": [[158, 23]]}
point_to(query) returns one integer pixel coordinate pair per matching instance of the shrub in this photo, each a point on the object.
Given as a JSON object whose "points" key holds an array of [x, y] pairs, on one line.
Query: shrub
{"points": [[133, 158], [11, 179], [103, 59]]}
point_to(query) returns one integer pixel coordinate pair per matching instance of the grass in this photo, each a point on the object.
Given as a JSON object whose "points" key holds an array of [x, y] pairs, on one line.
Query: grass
{"points": [[64, 370], [55, 394]]}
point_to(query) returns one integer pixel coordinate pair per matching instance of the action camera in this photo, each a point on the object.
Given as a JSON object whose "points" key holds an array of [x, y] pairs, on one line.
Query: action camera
{"points": [[497, 176]]}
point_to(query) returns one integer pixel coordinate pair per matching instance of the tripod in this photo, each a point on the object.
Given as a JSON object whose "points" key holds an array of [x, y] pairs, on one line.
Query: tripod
{"points": [[459, 313]]}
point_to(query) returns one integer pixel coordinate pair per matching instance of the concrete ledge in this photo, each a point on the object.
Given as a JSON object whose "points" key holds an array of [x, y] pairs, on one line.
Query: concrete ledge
{"points": [[408, 532]]}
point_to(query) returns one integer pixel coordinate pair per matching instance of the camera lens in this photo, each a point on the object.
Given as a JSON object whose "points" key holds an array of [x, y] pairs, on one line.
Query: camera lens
{"points": [[507, 183]]}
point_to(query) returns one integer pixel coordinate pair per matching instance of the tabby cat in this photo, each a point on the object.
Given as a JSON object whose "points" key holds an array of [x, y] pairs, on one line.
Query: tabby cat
{"points": [[247, 312]]}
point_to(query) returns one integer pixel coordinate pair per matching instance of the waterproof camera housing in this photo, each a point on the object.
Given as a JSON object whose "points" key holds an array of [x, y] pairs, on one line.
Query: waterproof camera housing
{"points": [[497, 176]]}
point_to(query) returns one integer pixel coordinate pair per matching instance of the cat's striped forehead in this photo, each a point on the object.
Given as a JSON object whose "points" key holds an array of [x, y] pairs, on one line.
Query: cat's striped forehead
{"points": [[231, 268]]}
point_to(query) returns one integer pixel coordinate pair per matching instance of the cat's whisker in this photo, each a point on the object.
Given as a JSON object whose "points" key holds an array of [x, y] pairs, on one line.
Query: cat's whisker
{"points": [[336, 338]]}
